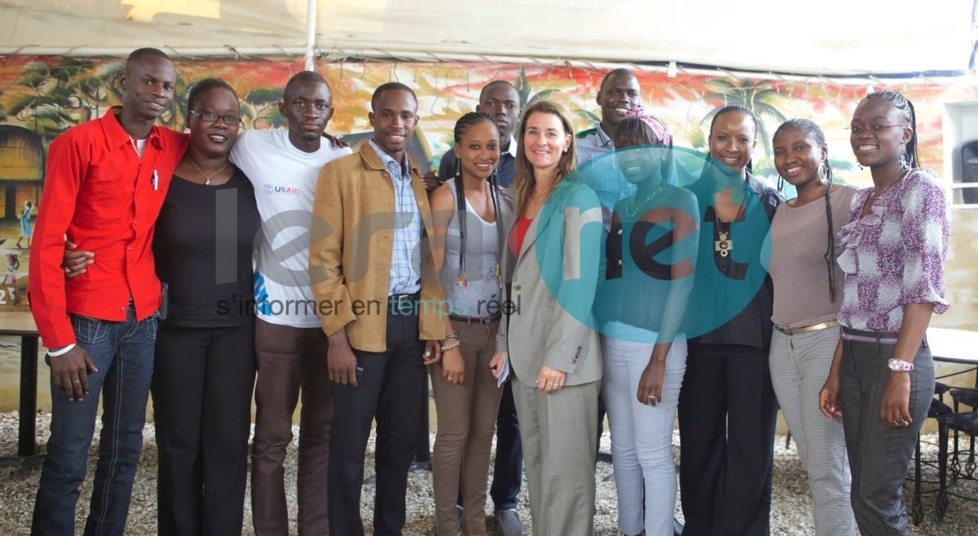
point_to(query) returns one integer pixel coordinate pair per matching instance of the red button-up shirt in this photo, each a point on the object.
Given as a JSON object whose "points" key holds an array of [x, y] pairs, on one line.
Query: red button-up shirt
{"points": [[105, 197]]}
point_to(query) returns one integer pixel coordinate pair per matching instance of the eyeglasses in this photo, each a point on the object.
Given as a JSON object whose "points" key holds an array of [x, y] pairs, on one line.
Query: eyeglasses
{"points": [[211, 117], [859, 129]]}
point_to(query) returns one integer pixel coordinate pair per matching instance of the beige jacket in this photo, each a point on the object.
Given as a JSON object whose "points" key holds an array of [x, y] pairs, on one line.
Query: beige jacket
{"points": [[350, 251], [552, 285]]}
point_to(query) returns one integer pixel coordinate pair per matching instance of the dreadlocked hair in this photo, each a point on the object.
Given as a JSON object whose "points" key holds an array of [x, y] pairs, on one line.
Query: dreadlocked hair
{"points": [[825, 170], [903, 104], [461, 126], [739, 108], [525, 178]]}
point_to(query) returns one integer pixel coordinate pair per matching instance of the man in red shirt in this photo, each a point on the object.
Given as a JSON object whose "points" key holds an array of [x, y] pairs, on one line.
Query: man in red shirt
{"points": [[104, 186]]}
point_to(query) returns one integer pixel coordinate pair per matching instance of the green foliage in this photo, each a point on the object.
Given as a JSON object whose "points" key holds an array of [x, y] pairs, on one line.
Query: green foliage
{"points": [[697, 138], [592, 119], [523, 88], [260, 106], [756, 96]]}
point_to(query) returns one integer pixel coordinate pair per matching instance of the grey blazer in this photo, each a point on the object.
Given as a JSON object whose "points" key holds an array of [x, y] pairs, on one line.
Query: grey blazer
{"points": [[551, 286]]}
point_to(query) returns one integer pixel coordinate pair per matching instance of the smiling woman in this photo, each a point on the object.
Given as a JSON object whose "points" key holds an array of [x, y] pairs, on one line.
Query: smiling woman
{"points": [[550, 344], [651, 251], [894, 244], [471, 215], [205, 360], [727, 407], [807, 285]]}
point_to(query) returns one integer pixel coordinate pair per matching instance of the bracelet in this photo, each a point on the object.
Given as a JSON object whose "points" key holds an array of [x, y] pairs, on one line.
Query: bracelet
{"points": [[451, 346], [451, 335], [61, 352]]}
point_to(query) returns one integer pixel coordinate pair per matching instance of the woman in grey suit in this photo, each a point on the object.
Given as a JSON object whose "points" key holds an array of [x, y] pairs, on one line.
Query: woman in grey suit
{"points": [[548, 341]]}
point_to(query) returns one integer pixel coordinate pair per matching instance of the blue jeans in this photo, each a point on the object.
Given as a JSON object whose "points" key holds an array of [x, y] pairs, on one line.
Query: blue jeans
{"points": [[123, 354]]}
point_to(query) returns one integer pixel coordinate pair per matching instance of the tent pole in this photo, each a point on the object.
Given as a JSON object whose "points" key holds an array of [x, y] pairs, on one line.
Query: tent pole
{"points": [[311, 17]]}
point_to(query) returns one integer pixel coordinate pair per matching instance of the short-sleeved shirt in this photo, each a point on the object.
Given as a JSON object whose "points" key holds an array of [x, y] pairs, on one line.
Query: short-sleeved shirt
{"points": [[799, 240], [284, 178], [894, 255], [204, 242]]}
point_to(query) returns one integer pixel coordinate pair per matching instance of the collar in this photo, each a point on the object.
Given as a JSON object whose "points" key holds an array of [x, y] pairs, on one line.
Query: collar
{"points": [[603, 138], [512, 146], [386, 160], [116, 137]]}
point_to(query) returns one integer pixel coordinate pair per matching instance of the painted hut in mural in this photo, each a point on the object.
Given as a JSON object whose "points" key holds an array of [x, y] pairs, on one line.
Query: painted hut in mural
{"points": [[21, 170]]}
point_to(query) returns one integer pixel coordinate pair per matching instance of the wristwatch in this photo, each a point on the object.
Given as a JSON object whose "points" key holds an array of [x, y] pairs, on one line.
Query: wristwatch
{"points": [[899, 365]]}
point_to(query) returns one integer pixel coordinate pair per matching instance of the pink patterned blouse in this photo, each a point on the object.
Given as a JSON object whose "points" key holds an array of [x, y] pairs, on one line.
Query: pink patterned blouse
{"points": [[894, 255]]}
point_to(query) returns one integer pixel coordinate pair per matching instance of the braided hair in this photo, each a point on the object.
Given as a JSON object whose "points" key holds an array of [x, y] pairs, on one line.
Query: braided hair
{"points": [[810, 128], [903, 104], [461, 126], [739, 108]]}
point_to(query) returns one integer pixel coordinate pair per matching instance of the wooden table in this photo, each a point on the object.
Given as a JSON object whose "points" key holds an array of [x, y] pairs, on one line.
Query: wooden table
{"points": [[21, 324], [953, 345]]}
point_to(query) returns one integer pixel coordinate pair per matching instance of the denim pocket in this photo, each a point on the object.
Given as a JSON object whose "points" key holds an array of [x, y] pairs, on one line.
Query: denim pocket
{"points": [[151, 325], [89, 330]]}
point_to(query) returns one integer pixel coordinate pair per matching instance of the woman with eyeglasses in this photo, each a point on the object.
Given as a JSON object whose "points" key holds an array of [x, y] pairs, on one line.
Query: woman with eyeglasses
{"points": [[205, 350], [204, 370], [894, 244]]}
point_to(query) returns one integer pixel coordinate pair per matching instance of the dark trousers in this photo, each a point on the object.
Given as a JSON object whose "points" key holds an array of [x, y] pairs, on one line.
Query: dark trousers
{"points": [[390, 388], [507, 475], [727, 415], [202, 385], [879, 456]]}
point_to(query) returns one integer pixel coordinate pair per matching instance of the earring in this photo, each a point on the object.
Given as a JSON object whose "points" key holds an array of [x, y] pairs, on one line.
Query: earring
{"points": [[904, 161], [780, 183], [458, 169], [565, 150]]}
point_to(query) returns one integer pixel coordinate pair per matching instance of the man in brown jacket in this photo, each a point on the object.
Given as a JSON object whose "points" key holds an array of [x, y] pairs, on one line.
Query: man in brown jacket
{"points": [[378, 304]]}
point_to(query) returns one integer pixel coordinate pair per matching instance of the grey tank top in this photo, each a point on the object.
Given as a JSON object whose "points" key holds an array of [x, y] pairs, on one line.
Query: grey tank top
{"points": [[477, 294]]}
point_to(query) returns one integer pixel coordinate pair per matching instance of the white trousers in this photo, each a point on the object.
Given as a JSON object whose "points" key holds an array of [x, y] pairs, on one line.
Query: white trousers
{"points": [[641, 436], [799, 366]]}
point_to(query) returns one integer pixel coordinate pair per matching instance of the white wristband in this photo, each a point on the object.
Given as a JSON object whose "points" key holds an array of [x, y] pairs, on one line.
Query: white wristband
{"points": [[63, 351]]}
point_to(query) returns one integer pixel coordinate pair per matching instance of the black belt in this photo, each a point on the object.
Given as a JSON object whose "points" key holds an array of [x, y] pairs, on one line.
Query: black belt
{"points": [[485, 320]]}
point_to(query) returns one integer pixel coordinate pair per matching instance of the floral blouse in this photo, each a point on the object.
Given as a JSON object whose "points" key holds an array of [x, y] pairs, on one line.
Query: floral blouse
{"points": [[894, 255]]}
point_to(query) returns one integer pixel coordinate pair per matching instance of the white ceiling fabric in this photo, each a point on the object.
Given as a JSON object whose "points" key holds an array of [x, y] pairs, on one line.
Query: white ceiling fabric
{"points": [[842, 37]]}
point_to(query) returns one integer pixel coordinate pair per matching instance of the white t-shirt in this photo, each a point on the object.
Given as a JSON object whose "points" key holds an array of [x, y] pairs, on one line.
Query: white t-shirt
{"points": [[285, 185]]}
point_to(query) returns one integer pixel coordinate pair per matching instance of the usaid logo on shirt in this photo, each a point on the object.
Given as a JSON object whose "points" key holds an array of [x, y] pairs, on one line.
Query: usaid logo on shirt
{"points": [[278, 189]]}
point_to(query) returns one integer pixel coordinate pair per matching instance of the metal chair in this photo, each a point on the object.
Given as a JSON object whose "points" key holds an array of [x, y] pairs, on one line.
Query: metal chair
{"points": [[949, 458]]}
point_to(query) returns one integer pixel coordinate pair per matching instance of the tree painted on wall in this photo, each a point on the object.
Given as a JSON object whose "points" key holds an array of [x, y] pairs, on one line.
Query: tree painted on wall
{"points": [[756, 96]]}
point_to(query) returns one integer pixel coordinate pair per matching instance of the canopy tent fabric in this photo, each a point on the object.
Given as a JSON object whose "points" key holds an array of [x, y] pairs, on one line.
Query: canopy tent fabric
{"points": [[832, 37]]}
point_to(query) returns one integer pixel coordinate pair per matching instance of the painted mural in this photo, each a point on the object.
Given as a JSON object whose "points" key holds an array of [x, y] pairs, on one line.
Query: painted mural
{"points": [[44, 96]]}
